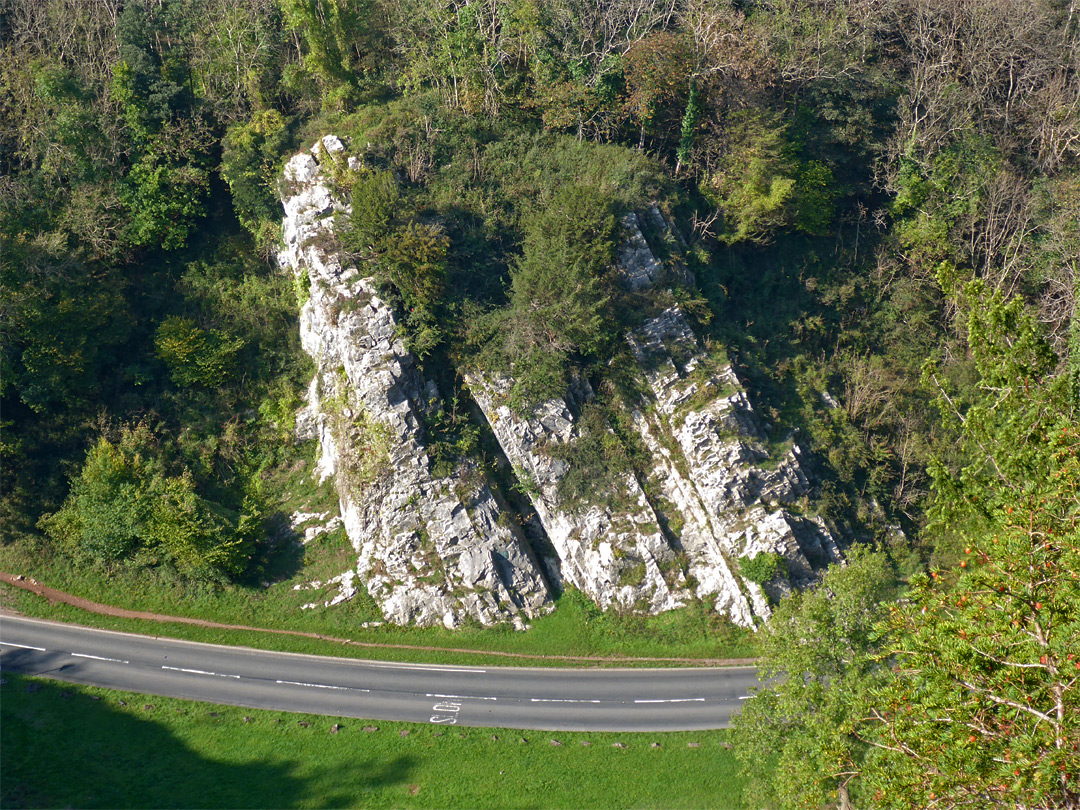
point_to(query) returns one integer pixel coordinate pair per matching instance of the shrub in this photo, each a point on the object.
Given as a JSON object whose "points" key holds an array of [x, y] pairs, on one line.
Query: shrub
{"points": [[762, 567], [195, 356]]}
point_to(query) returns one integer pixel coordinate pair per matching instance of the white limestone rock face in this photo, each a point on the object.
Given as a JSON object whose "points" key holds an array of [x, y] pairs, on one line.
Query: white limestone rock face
{"points": [[715, 472], [721, 495], [431, 550], [618, 559]]}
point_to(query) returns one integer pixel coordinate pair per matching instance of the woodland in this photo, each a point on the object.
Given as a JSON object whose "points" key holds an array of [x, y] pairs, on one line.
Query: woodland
{"points": [[880, 201]]}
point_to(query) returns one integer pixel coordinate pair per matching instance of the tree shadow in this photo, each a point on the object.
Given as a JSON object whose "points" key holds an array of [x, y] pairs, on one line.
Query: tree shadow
{"points": [[64, 746], [280, 556]]}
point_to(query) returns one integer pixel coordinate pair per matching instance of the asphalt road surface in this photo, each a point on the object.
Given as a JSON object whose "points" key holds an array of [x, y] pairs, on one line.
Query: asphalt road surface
{"points": [[506, 697]]}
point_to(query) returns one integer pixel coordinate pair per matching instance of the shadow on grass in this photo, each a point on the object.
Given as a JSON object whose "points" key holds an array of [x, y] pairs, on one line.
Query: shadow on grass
{"points": [[62, 747], [281, 556]]}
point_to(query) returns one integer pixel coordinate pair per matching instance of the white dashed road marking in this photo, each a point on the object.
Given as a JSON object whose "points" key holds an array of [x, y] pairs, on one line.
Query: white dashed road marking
{"points": [[673, 700], [202, 672], [21, 646], [324, 686], [99, 658], [561, 700], [459, 697]]}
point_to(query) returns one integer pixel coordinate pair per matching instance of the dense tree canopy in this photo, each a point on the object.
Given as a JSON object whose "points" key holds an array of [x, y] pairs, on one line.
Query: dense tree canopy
{"points": [[876, 201]]}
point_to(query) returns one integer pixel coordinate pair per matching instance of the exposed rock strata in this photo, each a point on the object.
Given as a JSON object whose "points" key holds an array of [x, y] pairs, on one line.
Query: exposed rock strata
{"points": [[437, 550], [431, 550], [719, 490], [617, 559], [713, 468]]}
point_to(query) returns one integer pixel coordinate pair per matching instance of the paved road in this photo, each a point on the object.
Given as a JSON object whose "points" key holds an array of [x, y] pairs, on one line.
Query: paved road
{"points": [[550, 699]]}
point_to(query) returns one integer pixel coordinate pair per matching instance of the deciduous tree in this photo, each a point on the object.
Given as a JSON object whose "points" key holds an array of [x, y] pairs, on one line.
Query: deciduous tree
{"points": [[796, 737]]}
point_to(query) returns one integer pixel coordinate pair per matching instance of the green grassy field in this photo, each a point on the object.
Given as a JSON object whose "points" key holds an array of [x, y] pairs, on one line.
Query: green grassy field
{"points": [[575, 628], [74, 746]]}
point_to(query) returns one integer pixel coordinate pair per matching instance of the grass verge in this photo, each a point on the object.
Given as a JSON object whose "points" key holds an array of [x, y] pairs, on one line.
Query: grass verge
{"points": [[78, 746], [575, 628]]}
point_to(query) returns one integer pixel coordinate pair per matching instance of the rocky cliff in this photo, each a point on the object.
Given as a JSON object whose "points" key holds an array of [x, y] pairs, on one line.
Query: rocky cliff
{"points": [[430, 550], [717, 490], [437, 550], [619, 558]]}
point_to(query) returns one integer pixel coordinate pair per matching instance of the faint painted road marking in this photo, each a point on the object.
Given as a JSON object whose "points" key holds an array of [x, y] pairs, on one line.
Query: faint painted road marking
{"points": [[201, 672], [426, 668], [99, 658], [323, 686]]}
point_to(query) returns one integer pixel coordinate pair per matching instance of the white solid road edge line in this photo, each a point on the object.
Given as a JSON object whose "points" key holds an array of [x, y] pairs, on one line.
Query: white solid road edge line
{"points": [[349, 660], [21, 646], [431, 668]]}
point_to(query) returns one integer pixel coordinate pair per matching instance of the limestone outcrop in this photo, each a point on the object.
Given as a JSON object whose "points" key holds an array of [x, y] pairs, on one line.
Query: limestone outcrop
{"points": [[717, 489], [715, 472], [618, 558], [431, 550]]}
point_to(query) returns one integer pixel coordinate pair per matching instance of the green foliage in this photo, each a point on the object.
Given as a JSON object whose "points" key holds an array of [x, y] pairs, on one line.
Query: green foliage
{"points": [[165, 187], [561, 290], [656, 71], [251, 154], [795, 737], [761, 185], [237, 57], [196, 356], [446, 47], [408, 261], [984, 704], [815, 198], [1006, 423], [413, 260], [62, 321], [108, 506], [762, 567], [128, 500], [598, 462], [689, 123], [164, 198], [938, 200], [376, 205], [451, 438], [343, 41], [150, 81], [754, 186], [301, 289]]}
